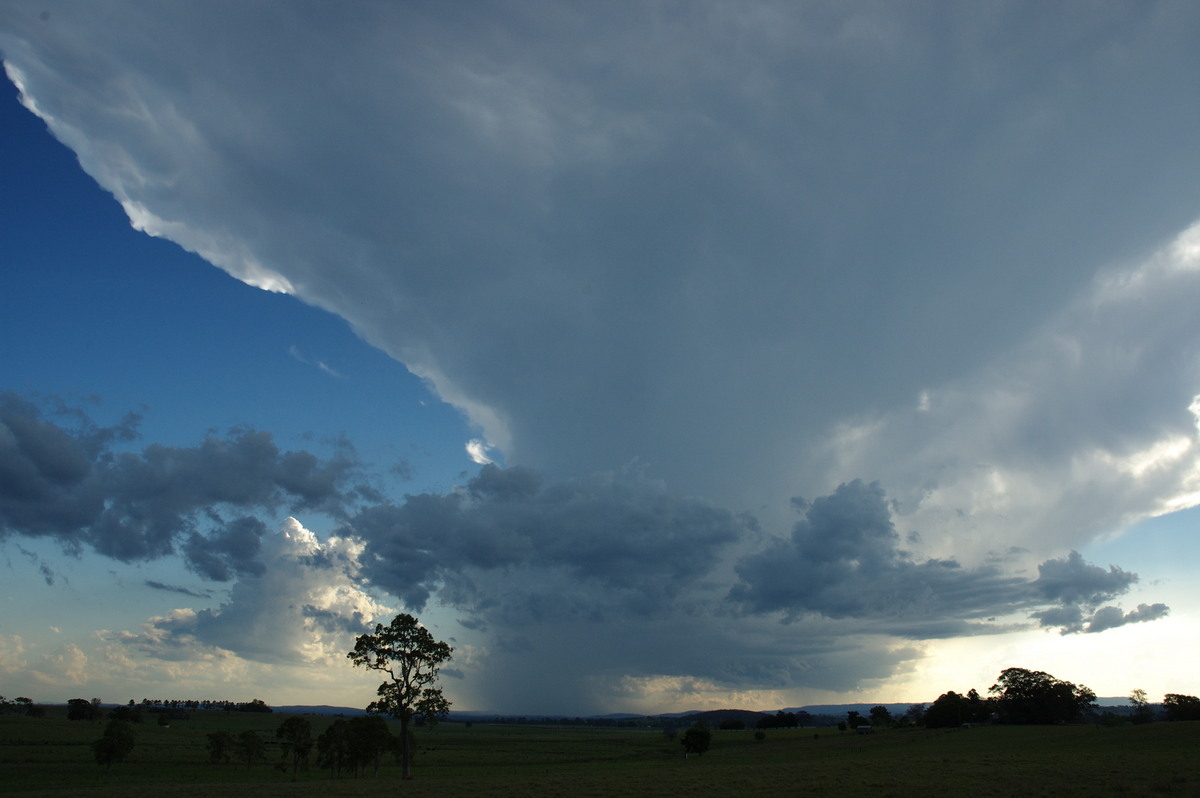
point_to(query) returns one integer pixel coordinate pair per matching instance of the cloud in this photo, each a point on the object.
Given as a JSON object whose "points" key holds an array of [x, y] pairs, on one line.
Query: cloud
{"points": [[609, 578], [1077, 431], [621, 535], [727, 261], [477, 450], [843, 560], [75, 486], [858, 252], [301, 607], [67, 665], [296, 354], [154, 583], [1074, 581], [1112, 617]]}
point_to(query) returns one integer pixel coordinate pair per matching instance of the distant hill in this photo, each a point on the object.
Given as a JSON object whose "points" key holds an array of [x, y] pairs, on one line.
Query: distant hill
{"points": [[714, 717], [323, 709]]}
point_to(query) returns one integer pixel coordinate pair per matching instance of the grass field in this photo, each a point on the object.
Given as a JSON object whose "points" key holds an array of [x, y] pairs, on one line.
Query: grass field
{"points": [[52, 756]]}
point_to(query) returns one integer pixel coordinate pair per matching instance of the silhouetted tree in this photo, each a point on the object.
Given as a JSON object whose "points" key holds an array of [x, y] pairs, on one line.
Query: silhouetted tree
{"points": [[369, 739], [1031, 697], [411, 657], [220, 746], [696, 739], [116, 743], [296, 734], [82, 709], [1141, 707], [880, 716], [333, 747], [949, 710], [1181, 707], [249, 747]]}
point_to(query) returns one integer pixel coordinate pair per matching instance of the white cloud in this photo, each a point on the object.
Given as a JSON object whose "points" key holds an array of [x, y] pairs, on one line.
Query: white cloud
{"points": [[1079, 431], [477, 450], [304, 608]]}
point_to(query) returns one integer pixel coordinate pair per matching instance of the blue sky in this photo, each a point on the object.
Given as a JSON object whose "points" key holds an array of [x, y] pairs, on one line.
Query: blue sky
{"points": [[822, 352]]}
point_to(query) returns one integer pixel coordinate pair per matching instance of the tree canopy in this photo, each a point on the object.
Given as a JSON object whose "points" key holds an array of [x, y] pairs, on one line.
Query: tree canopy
{"points": [[296, 735], [1029, 697], [115, 744], [1181, 707], [696, 739], [411, 658]]}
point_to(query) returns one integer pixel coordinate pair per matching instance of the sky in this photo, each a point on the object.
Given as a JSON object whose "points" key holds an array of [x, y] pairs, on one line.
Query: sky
{"points": [[702, 355]]}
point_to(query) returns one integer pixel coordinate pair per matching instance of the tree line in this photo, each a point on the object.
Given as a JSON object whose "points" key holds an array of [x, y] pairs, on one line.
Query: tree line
{"points": [[1027, 697]]}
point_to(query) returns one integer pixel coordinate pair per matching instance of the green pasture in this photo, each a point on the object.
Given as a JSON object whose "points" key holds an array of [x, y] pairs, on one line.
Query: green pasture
{"points": [[52, 756]]}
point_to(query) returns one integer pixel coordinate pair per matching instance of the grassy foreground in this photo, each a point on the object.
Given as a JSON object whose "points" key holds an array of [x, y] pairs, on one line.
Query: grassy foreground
{"points": [[52, 756]]}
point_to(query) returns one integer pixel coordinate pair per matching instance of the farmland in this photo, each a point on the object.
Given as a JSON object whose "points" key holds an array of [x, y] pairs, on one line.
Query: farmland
{"points": [[52, 756]]}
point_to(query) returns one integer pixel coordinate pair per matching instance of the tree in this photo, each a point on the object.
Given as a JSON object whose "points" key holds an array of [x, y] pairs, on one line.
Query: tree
{"points": [[333, 747], [949, 710], [220, 746], [1032, 697], [915, 715], [1181, 707], [696, 739], [82, 709], [369, 738], [411, 657], [115, 744], [249, 747], [880, 716], [1141, 706], [296, 733]]}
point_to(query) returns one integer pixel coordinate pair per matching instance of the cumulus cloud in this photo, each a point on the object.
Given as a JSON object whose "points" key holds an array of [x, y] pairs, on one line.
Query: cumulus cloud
{"points": [[619, 539], [844, 560], [477, 450], [301, 607], [76, 486]]}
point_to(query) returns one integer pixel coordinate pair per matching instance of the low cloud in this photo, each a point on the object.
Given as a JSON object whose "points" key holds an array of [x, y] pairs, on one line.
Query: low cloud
{"points": [[601, 579], [608, 536], [843, 560], [154, 583], [76, 486]]}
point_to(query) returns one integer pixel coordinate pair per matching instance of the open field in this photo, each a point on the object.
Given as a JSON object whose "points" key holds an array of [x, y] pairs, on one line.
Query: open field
{"points": [[52, 756]]}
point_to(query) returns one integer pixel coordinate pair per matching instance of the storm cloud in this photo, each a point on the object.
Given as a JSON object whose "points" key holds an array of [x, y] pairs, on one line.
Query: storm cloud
{"points": [[614, 577], [934, 265], [75, 485], [844, 560]]}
